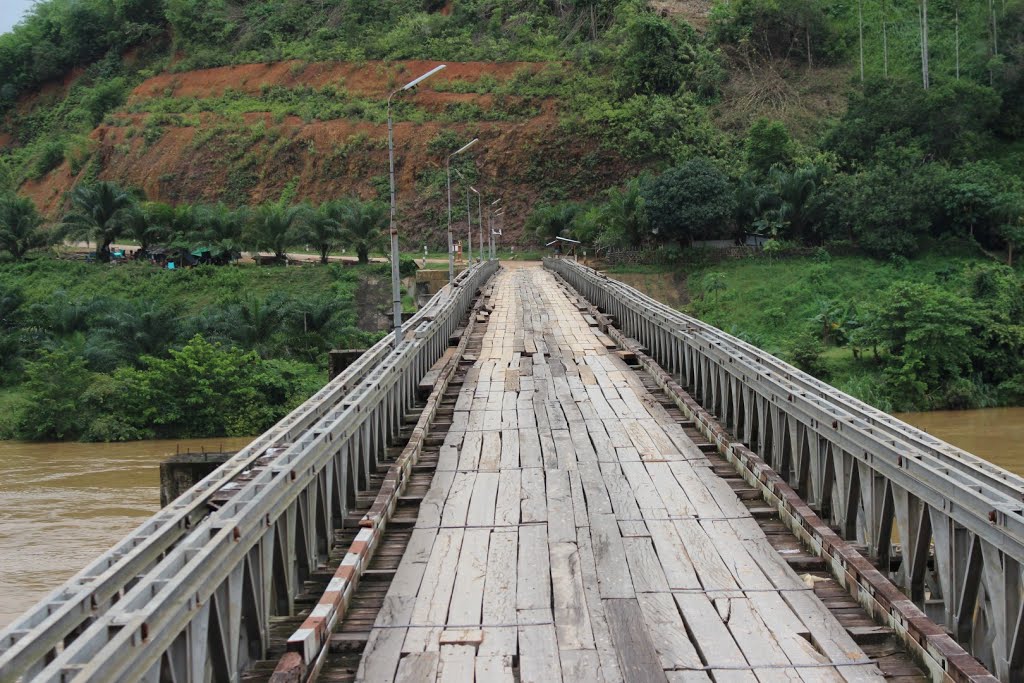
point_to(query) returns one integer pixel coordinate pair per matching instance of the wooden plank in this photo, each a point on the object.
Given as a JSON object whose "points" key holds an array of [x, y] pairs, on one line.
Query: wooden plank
{"points": [[435, 591], [490, 452], [497, 668], [610, 555], [415, 667], [572, 620], [457, 664], [533, 585], [561, 523], [667, 632], [499, 600], [469, 454], [645, 568], [509, 448], [534, 506], [714, 642], [638, 659], [580, 665], [538, 655], [675, 562], [484, 498], [507, 505], [456, 506], [468, 592], [384, 647]]}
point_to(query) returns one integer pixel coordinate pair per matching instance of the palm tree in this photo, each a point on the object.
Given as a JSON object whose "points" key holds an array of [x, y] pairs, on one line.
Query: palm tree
{"points": [[624, 217], [100, 213], [362, 225], [322, 230], [145, 225], [790, 201], [20, 226], [221, 228], [128, 333], [273, 228]]}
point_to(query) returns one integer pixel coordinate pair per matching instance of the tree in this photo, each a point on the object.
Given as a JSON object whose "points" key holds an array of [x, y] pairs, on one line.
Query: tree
{"points": [[53, 388], [929, 335], [790, 202], [624, 217], [654, 56], [321, 230], [768, 144], [689, 202], [141, 224], [273, 228], [362, 225], [100, 212], [549, 221], [220, 228], [20, 230]]}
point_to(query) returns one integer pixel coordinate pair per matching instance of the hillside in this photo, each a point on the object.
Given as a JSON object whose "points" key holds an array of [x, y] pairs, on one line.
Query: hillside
{"points": [[243, 134], [814, 128]]}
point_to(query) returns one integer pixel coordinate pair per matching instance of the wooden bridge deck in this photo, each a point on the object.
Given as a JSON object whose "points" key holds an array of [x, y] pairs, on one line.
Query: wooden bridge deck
{"points": [[573, 531]]}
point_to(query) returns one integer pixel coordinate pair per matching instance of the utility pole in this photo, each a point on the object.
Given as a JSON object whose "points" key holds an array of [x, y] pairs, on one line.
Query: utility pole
{"points": [[396, 283]]}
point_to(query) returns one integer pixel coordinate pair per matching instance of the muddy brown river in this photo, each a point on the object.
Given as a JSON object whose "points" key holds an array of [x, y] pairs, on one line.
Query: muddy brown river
{"points": [[61, 505]]}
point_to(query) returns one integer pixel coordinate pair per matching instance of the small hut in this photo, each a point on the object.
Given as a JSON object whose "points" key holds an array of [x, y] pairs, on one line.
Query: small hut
{"points": [[564, 247]]}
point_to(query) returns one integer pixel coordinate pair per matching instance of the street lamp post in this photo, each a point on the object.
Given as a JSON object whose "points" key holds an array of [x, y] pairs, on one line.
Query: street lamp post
{"points": [[480, 222], [469, 212], [500, 213], [490, 226], [451, 244], [469, 221], [396, 283]]}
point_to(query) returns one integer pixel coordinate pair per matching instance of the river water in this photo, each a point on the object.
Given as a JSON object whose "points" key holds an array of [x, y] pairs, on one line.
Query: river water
{"points": [[61, 505]]}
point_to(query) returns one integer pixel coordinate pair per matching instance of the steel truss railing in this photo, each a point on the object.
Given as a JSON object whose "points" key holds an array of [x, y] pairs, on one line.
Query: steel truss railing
{"points": [[189, 594], [949, 525]]}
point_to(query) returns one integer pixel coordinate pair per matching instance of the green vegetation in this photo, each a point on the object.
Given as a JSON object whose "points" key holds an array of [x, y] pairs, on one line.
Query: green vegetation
{"points": [[927, 153], [939, 331], [133, 351]]}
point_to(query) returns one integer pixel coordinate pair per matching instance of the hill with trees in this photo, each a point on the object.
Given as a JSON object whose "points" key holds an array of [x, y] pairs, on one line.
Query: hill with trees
{"points": [[877, 130]]}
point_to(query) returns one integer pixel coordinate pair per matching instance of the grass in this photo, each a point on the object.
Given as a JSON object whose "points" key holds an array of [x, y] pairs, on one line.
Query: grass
{"points": [[771, 304], [40, 279]]}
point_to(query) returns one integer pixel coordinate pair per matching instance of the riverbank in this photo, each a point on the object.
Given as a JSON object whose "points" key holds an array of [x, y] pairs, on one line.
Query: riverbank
{"points": [[945, 330]]}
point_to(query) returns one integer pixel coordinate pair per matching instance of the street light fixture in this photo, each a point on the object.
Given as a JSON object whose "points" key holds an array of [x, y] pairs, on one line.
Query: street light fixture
{"points": [[480, 221], [469, 219], [451, 244], [396, 284], [494, 232], [490, 225]]}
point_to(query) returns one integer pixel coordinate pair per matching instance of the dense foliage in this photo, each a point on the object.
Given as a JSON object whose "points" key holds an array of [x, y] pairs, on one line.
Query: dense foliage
{"points": [[133, 351], [927, 152], [943, 331]]}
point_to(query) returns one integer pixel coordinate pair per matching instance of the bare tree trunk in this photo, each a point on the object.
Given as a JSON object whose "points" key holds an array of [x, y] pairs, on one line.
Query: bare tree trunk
{"points": [[957, 17], [810, 59], [923, 10], [860, 22], [885, 39], [995, 40]]}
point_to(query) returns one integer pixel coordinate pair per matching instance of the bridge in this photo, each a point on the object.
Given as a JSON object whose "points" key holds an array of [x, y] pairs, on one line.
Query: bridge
{"points": [[551, 476]]}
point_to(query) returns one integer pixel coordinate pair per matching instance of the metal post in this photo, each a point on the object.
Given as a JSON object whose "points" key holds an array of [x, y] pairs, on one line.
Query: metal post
{"points": [[469, 231], [396, 283], [480, 204], [451, 245]]}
